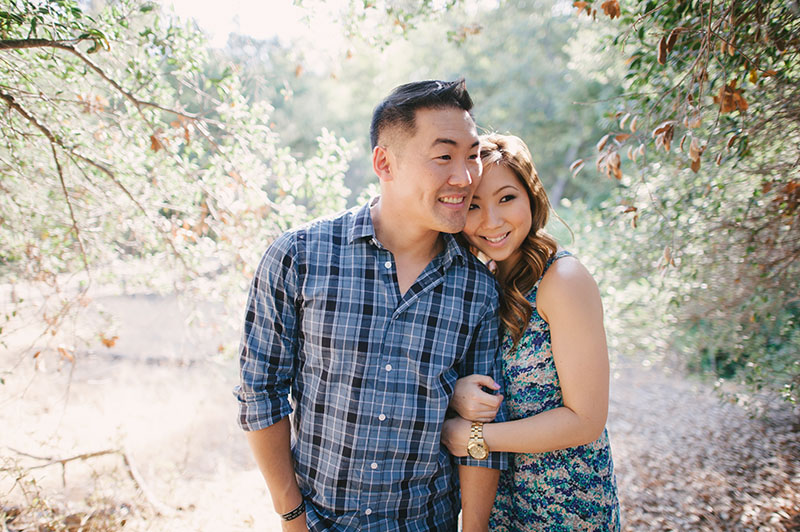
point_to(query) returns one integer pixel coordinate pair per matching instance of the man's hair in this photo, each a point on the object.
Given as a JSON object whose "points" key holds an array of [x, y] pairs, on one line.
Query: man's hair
{"points": [[400, 107]]}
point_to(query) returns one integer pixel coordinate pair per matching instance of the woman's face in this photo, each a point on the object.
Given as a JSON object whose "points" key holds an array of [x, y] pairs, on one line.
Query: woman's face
{"points": [[499, 217]]}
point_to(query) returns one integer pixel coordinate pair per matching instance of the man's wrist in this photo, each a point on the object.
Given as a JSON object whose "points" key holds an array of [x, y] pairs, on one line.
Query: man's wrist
{"points": [[295, 513]]}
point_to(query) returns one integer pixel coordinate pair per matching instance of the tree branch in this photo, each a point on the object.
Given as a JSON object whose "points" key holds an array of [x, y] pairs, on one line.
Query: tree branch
{"points": [[64, 461], [99, 166], [133, 472], [17, 44], [71, 210]]}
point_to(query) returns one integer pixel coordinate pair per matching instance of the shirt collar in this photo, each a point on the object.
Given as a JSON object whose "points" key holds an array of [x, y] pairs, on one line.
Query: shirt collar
{"points": [[363, 228], [362, 224]]}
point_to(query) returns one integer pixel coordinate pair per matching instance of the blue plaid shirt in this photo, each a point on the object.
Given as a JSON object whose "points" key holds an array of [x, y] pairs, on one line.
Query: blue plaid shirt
{"points": [[370, 371]]}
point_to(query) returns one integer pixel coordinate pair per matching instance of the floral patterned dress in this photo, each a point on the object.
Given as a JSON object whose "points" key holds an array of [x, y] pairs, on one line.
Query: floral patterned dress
{"points": [[564, 490]]}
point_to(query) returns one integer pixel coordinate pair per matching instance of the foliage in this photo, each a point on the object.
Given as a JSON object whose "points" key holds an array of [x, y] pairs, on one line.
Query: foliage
{"points": [[116, 148], [531, 71], [711, 116]]}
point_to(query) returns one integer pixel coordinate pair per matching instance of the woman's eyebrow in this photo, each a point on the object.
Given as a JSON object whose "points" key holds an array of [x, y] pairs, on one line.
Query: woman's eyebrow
{"points": [[499, 190]]}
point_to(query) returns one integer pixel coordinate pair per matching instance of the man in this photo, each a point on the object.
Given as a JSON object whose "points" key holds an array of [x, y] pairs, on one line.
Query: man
{"points": [[367, 319]]}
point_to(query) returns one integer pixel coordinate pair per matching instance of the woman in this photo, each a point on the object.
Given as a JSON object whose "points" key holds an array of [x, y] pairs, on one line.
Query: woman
{"points": [[555, 361]]}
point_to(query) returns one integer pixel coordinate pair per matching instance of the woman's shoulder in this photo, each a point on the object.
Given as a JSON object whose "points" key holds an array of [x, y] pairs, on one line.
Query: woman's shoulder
{"points": [[566, 279]]}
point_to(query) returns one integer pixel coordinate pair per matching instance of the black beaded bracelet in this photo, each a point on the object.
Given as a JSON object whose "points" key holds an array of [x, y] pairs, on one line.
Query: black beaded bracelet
{"points": [[294, 514]]}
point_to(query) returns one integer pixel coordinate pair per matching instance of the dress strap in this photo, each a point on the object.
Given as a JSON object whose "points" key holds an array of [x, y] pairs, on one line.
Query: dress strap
{"points": [[555, 256]]}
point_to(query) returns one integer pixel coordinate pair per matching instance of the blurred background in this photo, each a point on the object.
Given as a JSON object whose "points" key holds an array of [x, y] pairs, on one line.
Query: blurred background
{"points": [[150, 151]]}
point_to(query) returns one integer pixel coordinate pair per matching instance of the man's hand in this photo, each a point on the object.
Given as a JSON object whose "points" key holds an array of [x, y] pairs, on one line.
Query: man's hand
{"points": [[471, 402]]}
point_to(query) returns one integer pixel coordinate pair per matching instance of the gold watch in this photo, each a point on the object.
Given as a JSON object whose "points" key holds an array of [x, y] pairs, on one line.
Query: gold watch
{"points": [[476, 446]]}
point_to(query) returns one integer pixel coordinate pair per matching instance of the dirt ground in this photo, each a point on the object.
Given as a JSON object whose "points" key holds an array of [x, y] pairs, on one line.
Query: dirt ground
{"points": [[160, 402]]}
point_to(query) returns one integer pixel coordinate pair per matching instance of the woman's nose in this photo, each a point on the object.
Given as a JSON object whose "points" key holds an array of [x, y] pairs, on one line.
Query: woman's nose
{"points": [[491, 218]]}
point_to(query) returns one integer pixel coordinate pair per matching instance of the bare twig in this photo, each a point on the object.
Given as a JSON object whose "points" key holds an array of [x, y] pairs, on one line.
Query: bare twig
{"points": [[133, 472], [71, 210], [64, 461], [64, 45], [158, 506], [11, 102]]}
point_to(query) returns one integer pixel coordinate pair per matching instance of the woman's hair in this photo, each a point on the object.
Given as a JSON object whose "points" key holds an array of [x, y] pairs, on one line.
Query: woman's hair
{"points": [[538, 246]]}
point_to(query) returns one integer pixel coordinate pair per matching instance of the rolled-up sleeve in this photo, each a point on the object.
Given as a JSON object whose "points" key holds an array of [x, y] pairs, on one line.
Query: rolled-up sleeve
{"points": [[483, 358], [268, 349]]}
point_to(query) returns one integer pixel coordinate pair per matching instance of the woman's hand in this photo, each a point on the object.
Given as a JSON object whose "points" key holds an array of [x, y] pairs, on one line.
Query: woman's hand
{"points": [[455, 435], [471, 402]]}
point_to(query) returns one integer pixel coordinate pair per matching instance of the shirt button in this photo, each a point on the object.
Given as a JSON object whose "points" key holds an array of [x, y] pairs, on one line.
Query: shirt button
{"points": [[388, 264], [373, 465], [368, 511], [382, 417], [388, 367]]}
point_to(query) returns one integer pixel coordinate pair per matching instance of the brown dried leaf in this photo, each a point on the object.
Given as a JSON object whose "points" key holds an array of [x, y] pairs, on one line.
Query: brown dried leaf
{"points": [[730, 99], [696, 149], [576, 167], [662, 51], [603, 141], [109, 342], [663, 134], [66, 353], [622, 137], [583, 5], [634, 123], [673, 37], [614, 163], [155, 143], [662, 127], [696, 165], [611, 8]]}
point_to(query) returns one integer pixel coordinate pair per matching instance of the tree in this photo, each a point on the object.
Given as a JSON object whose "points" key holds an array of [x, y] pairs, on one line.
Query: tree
{"points": [[529, 69], [117, 150], [711, 115]]}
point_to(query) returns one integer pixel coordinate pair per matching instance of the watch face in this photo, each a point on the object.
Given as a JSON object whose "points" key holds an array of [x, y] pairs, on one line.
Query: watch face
{"points": [[477, 451]]}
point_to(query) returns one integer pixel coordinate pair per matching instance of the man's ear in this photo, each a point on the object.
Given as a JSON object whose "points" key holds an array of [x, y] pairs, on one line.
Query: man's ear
{"points": [[381, 164]]}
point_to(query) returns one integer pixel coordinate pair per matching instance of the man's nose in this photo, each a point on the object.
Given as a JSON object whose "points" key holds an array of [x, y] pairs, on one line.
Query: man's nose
{"points": [[461, 177]]}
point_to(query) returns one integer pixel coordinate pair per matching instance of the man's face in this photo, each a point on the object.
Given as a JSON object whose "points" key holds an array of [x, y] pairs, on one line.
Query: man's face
{"points": [[435, 170]]}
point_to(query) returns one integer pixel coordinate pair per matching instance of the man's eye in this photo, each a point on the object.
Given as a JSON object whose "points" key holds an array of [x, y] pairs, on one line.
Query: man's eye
{"points": [[473, 156], [472, 206], [444, 157]]}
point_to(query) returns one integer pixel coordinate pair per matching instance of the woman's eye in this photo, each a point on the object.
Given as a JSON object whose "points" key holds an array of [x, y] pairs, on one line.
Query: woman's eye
{"points": [[507, 198]]}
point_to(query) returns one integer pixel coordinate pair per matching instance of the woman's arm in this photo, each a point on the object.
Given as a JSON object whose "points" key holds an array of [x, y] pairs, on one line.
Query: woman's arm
{"points": [[471, 402], [569, 300]]}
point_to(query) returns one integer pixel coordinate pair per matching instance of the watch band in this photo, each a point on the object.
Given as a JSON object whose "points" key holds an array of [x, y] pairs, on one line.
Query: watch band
{"points": [[294, 514], [476, 431]]}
